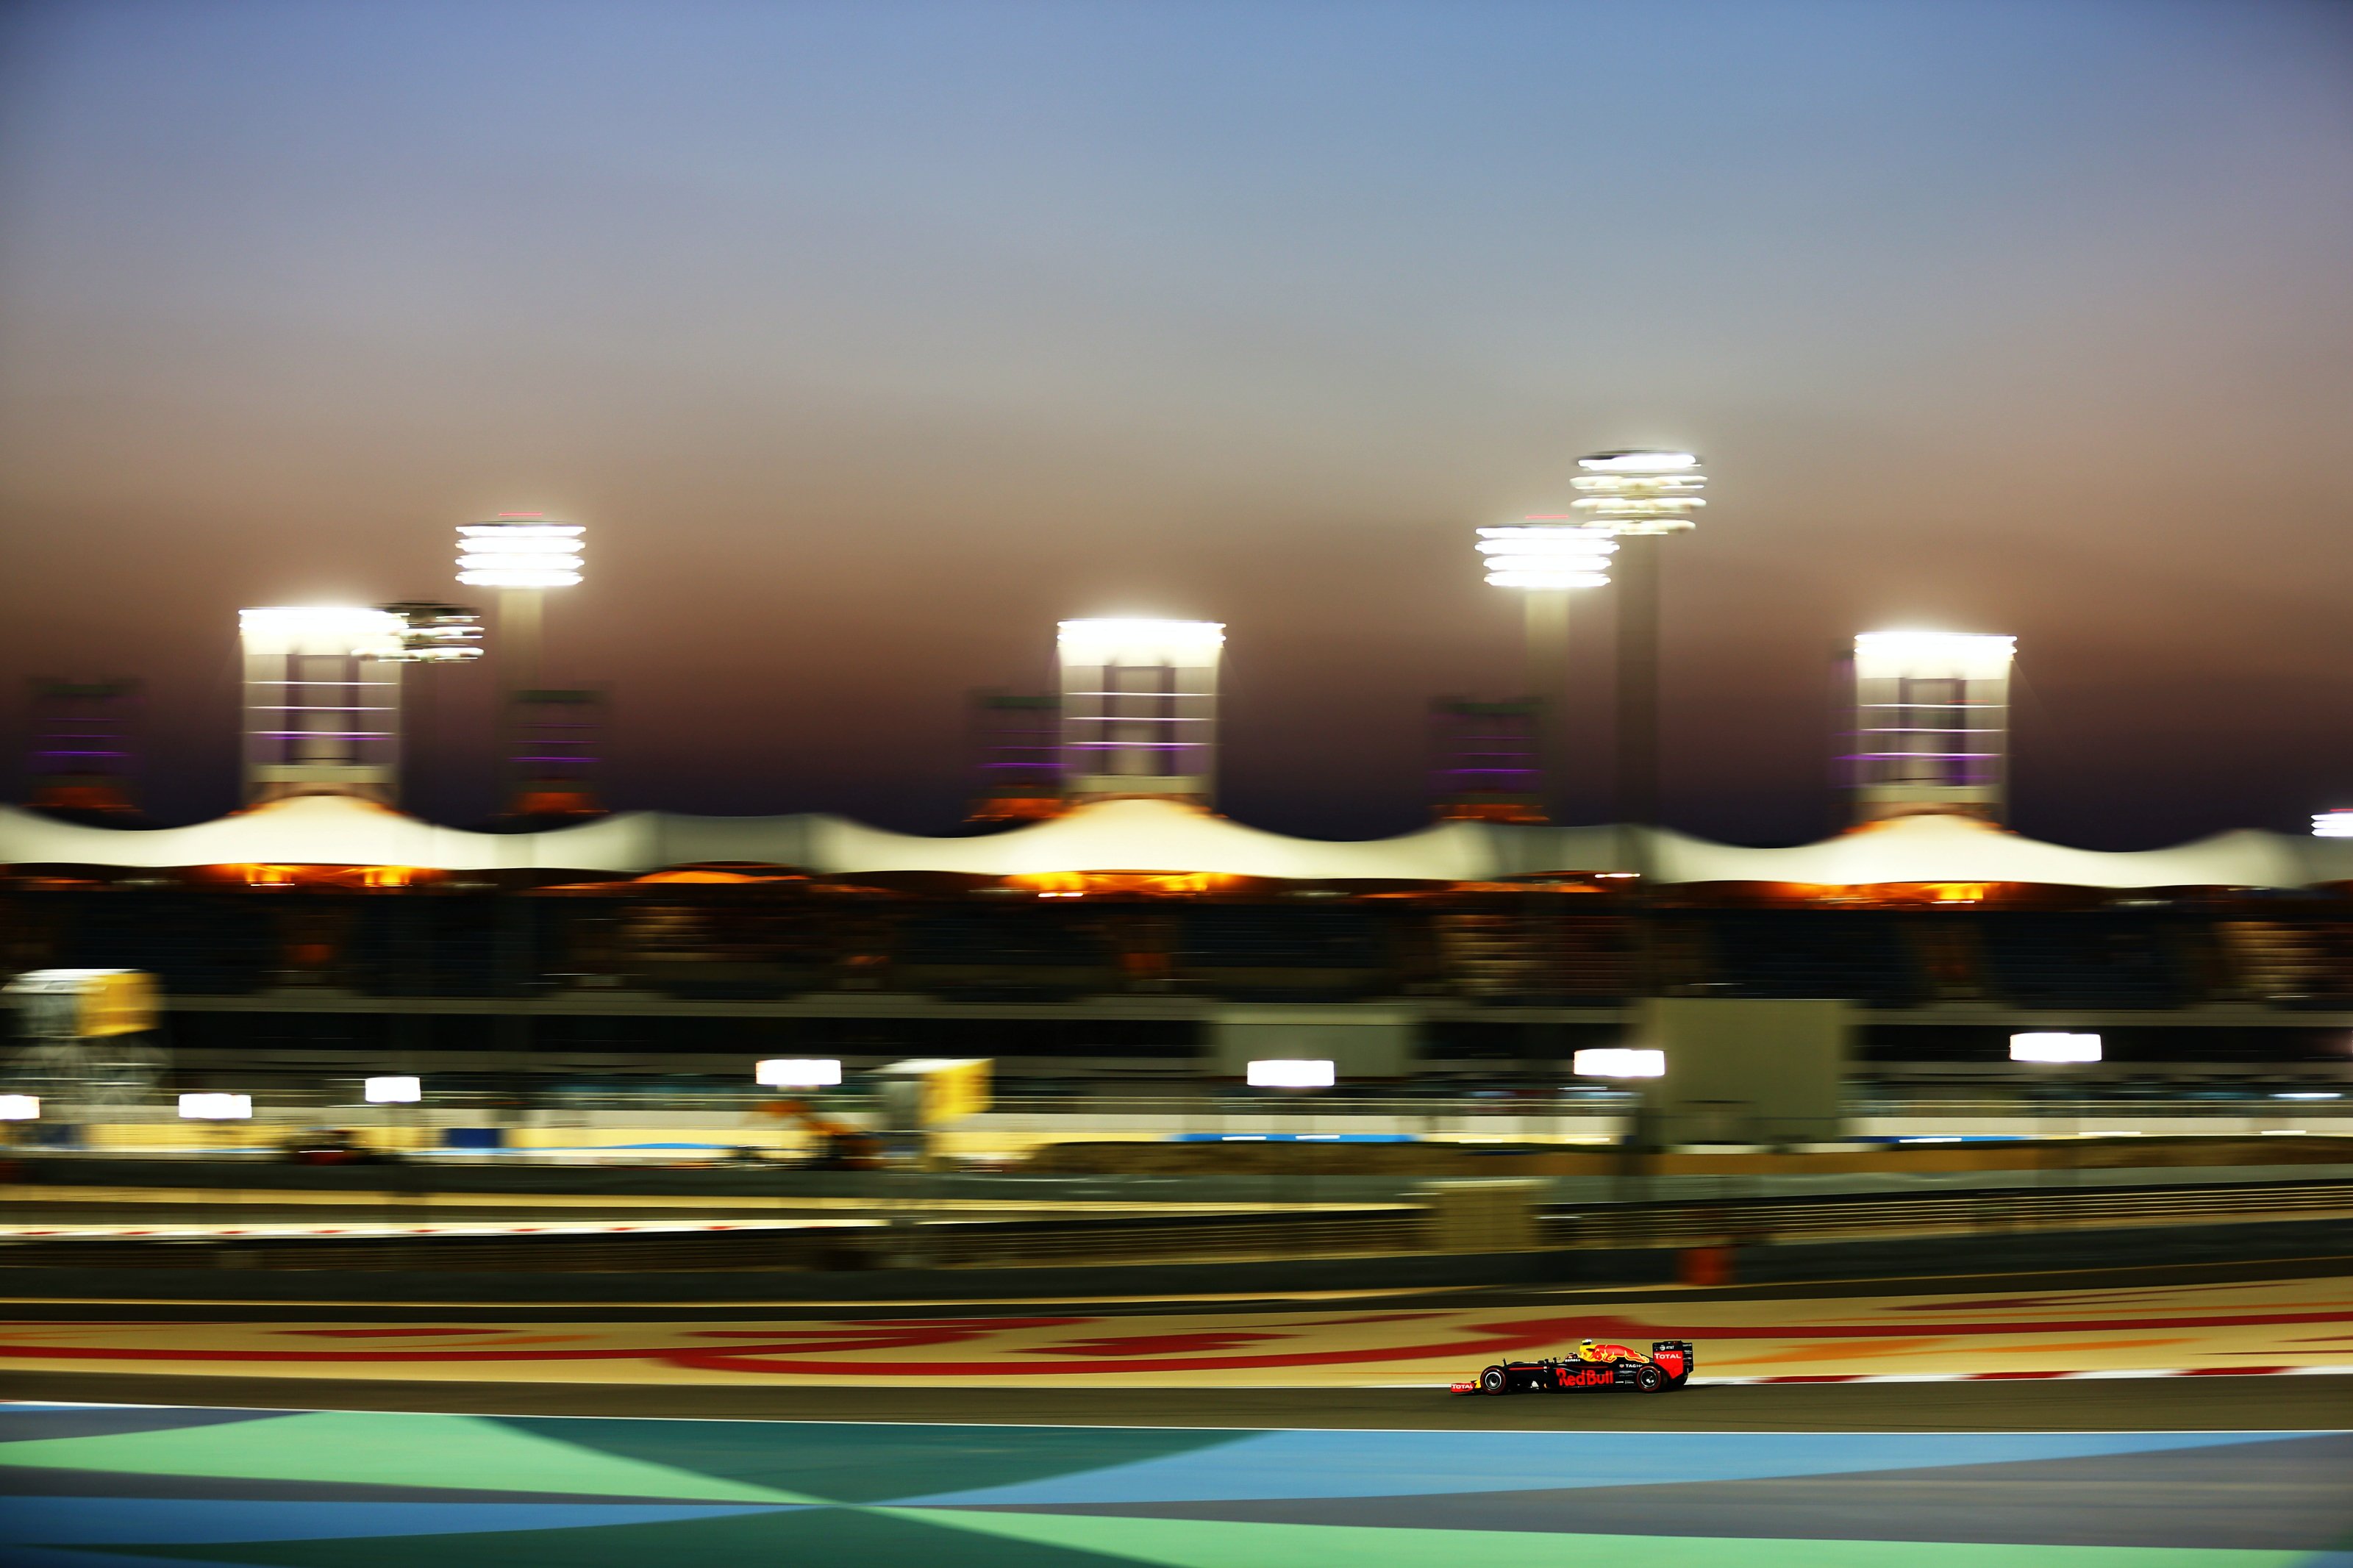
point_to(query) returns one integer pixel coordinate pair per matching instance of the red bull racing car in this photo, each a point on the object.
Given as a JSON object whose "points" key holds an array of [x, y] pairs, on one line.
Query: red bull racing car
{"points": [[1669, 1366]]}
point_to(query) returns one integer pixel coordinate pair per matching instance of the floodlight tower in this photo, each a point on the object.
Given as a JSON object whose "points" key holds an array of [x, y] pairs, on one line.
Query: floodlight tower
{"points": [[1018, 756], [81, 746], [1488, 765], [1140, 709], [522, 555], [1931, 725], [321, 701], [432, 632], [1639, 498], [1546, 559]]}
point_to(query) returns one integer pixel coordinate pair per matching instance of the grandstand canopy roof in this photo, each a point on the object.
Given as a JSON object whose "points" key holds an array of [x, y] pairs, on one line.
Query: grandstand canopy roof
{"points": [[1158, 836]]}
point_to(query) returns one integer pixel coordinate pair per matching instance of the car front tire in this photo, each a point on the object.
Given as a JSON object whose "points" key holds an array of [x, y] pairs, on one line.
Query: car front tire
{"points": [[1494, 1381]]}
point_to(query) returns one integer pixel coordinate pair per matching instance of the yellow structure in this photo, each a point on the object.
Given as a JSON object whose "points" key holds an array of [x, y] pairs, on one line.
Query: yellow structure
{"points": [[951, 1088]]}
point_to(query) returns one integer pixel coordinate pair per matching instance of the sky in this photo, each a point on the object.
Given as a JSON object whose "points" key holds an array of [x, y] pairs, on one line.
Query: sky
{"points": [[868, 339]]}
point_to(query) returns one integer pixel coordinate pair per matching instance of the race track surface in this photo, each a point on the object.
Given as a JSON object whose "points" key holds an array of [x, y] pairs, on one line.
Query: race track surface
{"points": [[2276, 1325], [122, 1486], [2157, 1423]]}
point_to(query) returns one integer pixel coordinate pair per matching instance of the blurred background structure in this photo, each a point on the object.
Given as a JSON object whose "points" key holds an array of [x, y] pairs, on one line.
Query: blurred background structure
{"points": [[322, 702], [1140, 709], [1931, 725], [1017, 741], [81, 756]]}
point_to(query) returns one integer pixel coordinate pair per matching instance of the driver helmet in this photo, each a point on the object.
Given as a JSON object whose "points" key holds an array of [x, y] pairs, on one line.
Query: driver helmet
{"points": [[1585, 1349]]}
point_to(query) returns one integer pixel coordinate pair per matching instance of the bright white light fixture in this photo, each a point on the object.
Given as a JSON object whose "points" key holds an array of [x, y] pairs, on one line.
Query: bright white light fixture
{"points": [[20, 1108], [790, 1072], [1542, 557], [1618, 1061], [321, 630], [1940, 656], [2337, 823], [1282, 1073], [216, 1107], [1640, 492], [2052, 1047], [394, 1090], [1639, 462], [1125, 640], [521, 552]]}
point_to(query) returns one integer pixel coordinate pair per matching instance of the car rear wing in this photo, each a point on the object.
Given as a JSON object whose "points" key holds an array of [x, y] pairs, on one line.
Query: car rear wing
{"points": [[1674, 1358]]}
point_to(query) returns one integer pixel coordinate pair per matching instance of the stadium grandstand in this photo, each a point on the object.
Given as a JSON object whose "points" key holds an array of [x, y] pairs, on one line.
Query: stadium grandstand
{"points": [[327, 928]]}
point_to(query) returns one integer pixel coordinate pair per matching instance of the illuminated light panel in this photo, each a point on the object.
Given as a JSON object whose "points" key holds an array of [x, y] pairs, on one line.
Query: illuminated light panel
{"points": [[1640, 484], [1132, 641], [20, 1108], [322, 629], [1290, 1073], [1618, 1061], [1638, 462], [790, 1072], [2055, 1047], [527, 552], [2337, 823], [1955, 656], [1637, 506], [216, 1107], [1547, 558], [1640, 492], [394, 1090]]}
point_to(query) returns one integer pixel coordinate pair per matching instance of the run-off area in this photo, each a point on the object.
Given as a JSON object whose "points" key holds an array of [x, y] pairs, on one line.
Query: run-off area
{"points": [[93, 1485]]}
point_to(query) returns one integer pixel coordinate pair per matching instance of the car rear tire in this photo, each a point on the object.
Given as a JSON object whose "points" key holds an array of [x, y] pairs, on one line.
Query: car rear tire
{"points": [[1494, 1381], [1649, 1379]]}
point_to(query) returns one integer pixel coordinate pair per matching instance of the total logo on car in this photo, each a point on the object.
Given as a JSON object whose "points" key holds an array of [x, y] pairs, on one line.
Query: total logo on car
{"points": [[1667, 1366]]}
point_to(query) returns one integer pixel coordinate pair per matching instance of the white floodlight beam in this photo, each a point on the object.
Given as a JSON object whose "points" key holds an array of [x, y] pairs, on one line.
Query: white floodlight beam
{"points": [[20, 1108], [394, 1090], [216, 1107], [1919, 655], [2055, 1047], [793, 1072], [1290, 1073], [1618, 1061], [1643, 462], [520, 553]]}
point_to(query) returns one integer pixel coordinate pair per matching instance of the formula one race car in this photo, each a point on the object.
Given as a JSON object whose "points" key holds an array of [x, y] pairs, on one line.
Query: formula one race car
{"points": [[1669, 1366]]}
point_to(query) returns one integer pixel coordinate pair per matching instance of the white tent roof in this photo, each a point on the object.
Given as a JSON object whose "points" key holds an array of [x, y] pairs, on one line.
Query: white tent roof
{"points": [[1160, 836]]}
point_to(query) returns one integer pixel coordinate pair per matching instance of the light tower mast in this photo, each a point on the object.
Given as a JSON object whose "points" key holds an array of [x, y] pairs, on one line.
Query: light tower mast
{"points": [[1546, 559], [547, 738], [1639, 498]]}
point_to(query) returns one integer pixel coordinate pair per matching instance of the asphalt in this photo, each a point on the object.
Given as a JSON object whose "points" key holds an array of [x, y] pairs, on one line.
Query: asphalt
{"points": [[2158, 1404]]}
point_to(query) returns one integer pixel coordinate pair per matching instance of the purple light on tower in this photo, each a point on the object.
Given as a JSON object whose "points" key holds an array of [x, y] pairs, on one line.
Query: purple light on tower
{"points": [[81, 751], [1485, 763]]}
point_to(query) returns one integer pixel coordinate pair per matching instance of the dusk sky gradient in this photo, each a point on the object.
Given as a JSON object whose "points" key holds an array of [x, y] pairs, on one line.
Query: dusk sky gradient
{"points": [[870, 339]]}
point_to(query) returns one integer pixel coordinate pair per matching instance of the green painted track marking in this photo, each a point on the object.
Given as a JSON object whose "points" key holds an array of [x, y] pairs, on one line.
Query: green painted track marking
{"points": [[854, 1462], [795, 1538], [1205, 1543], [401, 1450]]}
